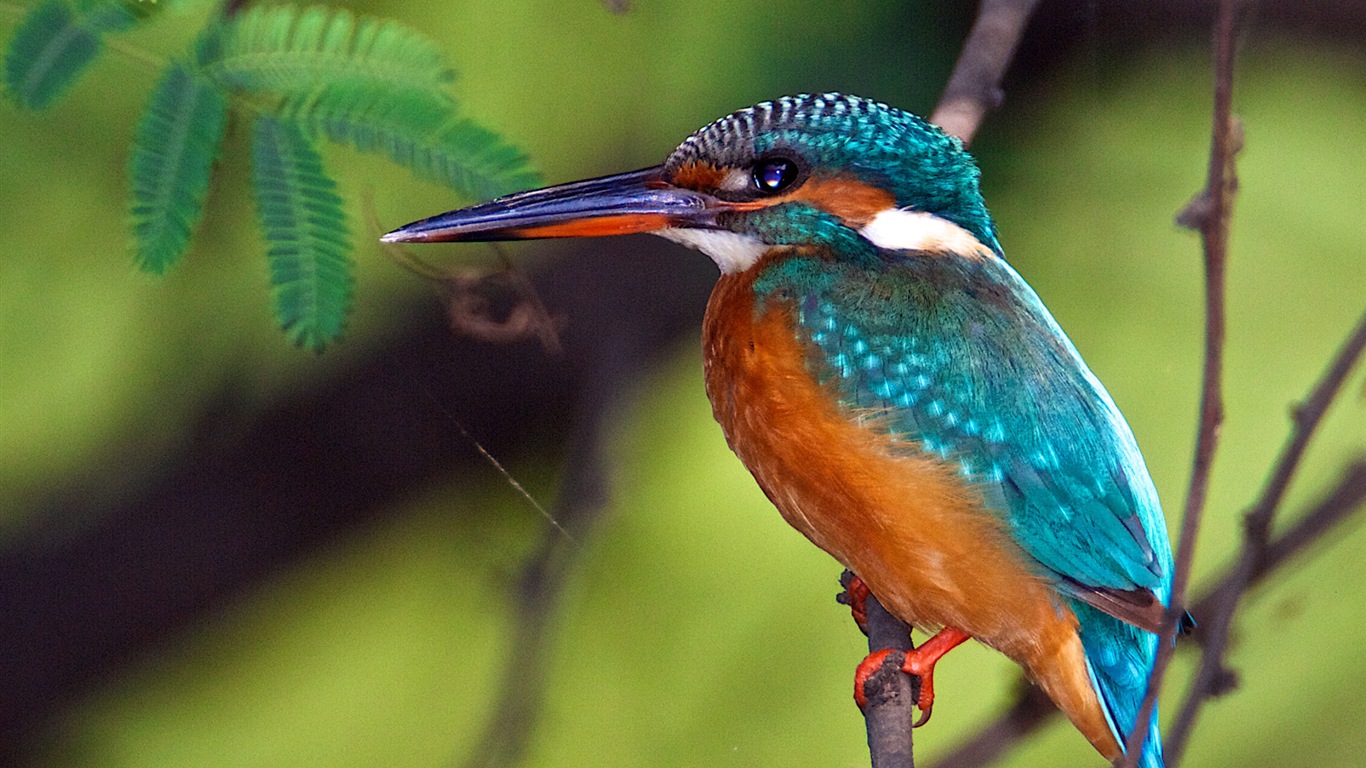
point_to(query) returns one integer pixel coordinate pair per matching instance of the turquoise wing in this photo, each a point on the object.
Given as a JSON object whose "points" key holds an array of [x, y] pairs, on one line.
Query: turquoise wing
{"points": [[960, 359]]}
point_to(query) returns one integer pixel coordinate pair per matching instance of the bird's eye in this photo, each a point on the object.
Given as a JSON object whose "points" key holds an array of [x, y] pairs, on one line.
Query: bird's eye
{"points": [[774, 175]]}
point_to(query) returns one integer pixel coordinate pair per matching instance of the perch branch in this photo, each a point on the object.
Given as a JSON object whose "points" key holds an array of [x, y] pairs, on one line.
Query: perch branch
{"points": [[891, 695]]}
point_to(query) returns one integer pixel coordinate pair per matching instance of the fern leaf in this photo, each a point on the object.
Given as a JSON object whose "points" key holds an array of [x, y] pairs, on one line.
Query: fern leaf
{"points": [[117, 15], [308, 247], [421, 131], [477, 161], [288, 50], [49, 51], [55, 43], [174, 148]]}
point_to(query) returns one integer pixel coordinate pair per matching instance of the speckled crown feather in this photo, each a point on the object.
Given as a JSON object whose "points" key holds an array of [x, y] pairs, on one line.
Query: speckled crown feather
{"points": [[732, 139]]}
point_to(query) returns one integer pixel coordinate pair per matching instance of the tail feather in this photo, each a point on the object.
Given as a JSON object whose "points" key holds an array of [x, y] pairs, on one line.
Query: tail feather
{"points": [[1119, 658]]}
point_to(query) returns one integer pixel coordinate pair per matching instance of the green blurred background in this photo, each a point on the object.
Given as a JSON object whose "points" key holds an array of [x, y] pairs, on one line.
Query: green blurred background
{"points": [[217, 550]]}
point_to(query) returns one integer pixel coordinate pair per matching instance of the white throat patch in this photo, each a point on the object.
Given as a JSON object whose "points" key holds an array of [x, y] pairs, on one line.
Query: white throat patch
{"points": [[732, 251], [899, 229]]}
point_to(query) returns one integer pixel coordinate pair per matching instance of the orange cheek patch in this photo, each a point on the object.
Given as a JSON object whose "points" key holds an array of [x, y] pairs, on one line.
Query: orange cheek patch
{"points": [[698, 175], [850, 199]]}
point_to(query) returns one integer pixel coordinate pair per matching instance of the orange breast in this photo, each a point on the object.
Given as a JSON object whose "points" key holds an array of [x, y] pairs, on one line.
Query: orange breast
{"points": [[908, 525]]}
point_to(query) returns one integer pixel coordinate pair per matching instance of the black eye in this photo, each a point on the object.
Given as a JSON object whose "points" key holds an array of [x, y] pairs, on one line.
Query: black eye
{"points": [[774, 175]]}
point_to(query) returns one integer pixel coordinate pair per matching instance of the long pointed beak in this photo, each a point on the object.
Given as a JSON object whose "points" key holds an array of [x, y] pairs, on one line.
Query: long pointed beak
{"points": [[639, 201]]}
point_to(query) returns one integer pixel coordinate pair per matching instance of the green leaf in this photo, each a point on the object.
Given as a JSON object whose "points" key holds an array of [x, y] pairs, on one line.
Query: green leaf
{"points": [[117, 15], [305, 229], [288, 50], [55, 43], [176, 143], [421, 131]]}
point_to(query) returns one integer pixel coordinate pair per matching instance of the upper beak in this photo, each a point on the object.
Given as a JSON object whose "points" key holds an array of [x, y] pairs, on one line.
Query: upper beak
{"points": [[639, 201]]}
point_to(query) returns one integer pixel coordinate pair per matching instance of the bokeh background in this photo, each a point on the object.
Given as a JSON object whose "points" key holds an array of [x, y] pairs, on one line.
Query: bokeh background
{"points": [[218, 550]]}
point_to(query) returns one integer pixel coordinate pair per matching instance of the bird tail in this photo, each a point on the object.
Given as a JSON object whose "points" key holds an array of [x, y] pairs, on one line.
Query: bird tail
{"points": [[1119, 658]]}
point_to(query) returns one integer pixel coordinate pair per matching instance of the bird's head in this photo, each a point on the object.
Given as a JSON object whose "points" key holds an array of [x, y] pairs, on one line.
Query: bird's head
{"points": [[831, 172]]}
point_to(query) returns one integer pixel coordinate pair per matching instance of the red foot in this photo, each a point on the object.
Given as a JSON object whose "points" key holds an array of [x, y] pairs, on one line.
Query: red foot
{"points": [[865, 670], [856, 595], [919, 662]]}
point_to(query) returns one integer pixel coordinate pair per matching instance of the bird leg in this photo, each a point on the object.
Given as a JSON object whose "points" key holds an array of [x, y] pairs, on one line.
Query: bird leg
{"points": [[919, 662]]}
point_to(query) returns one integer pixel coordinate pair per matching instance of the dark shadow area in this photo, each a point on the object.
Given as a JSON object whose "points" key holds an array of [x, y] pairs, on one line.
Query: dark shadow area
{"points": [[250, 495]]}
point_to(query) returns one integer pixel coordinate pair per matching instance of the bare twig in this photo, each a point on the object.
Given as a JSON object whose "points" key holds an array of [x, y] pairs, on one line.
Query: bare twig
{"points": [[465, 289], [974, 88], [1346, 497], [466, 293], [1212, 677]]}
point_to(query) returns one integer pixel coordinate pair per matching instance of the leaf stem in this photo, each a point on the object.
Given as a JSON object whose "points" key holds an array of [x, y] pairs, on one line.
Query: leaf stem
{"points": [[142, 56]]}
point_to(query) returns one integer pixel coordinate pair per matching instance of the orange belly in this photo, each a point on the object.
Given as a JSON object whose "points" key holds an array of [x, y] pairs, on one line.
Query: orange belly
{"points": [[906, 523]]}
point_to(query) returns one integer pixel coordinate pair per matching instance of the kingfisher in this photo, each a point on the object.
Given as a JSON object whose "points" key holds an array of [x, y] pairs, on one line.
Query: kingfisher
{"points": [[899, 392]]}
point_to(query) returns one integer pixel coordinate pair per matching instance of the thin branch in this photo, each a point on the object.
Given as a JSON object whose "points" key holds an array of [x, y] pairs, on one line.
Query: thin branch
{"points": [[974, 88], [1348, 496], [1031, 709], [891, 694], [1219, 189], [1212, 677]]}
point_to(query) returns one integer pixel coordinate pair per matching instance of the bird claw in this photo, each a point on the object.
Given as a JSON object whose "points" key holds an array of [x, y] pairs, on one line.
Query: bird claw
{"points": [[855, 596], [874, 661], [925, 675], [866, 669], [918, 663]]}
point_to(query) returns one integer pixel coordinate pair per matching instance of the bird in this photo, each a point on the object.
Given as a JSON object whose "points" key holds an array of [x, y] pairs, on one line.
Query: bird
{"points": [[898, 391]]}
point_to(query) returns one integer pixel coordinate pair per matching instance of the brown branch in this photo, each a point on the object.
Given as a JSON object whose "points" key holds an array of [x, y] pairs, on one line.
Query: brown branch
{"points": [[974, 88], [631, 327], [1219, 189], [1212, 677], [891, 694], [1345, 498], [1032, 709]]}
